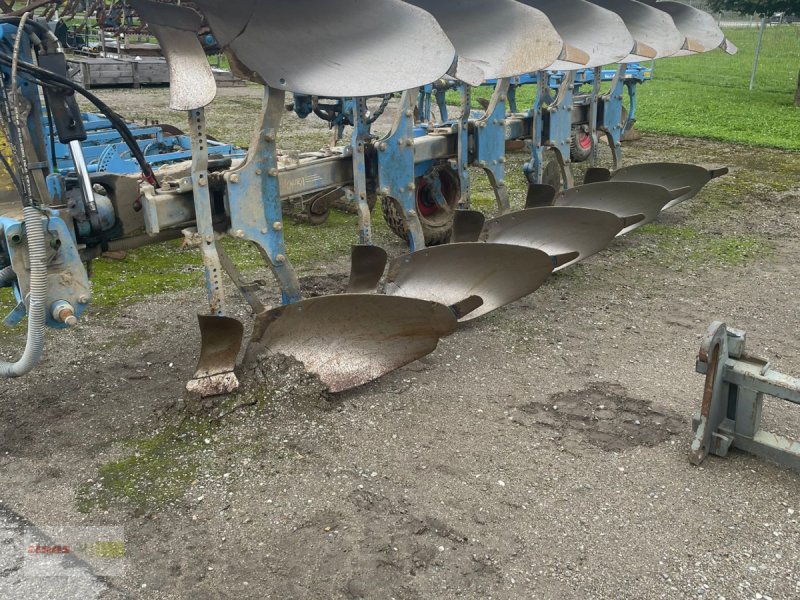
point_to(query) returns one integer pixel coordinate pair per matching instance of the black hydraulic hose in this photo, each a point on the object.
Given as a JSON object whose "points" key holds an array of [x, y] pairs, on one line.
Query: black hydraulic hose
{"points": [[52, 136], [45, 77]]}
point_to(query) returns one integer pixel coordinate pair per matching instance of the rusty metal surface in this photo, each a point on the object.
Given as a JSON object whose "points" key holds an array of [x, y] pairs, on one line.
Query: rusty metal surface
{"points": [[497, 273], [221, 340], [636, 203], [497, 36], [556, 230], [367, 264], [648, 25], [350, 340], [191, 81], [339, 48], [592, 29], [672, 176]]}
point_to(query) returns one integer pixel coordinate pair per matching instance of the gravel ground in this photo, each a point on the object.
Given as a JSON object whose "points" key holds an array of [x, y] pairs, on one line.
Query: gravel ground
{"points": [[540, 452]]}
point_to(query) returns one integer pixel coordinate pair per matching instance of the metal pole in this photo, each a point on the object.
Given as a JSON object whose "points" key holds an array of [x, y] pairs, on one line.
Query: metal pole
{"points": [[758, 52]]}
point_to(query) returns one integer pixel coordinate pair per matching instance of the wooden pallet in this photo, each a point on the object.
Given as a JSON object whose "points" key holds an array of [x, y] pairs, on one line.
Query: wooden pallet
{"points": [[125, 71]]}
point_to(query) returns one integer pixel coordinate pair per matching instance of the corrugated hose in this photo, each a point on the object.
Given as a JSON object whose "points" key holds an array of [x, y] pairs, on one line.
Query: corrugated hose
{"points": [[37, 250]]}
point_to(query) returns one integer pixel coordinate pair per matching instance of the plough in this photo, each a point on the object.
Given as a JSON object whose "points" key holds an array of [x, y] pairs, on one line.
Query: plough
{"points": [[459, 266]]}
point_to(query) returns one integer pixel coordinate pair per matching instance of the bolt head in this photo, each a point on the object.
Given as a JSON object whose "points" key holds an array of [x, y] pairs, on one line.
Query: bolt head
{"points": [[273, 172], [280, 259], [239, 233], [234, 178], [277, 226], [412, 213], [84, 299]]}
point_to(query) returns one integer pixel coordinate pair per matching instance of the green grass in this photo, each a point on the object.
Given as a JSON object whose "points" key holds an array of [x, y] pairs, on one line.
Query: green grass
{"points": [[158, 470], [707, 95], [678, 247]]}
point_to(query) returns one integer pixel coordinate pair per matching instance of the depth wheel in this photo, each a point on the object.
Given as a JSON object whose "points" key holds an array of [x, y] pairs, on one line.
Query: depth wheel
{"points": [[580, 147], [436, 220]]}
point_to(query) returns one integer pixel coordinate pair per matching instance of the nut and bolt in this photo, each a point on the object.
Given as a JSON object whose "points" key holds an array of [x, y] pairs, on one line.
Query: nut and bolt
{"points": [[277, 226]]}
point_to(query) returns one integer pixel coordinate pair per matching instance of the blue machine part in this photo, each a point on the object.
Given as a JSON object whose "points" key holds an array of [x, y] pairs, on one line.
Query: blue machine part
{"points": [[105, 151], [68, 287]]}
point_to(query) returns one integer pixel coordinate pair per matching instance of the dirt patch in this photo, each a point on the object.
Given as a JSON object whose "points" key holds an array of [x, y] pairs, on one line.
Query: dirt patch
{"points": [[604, 417]]}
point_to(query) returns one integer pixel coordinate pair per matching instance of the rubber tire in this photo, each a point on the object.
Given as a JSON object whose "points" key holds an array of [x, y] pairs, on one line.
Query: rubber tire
{"points": [[577, 151], [435, 232]]}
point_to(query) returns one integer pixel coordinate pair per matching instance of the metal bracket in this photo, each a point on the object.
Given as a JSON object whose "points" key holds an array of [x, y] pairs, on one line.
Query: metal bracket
{"points": [[612, 123], [490, 142], [204, 216], [254, 197], [396, 168], [730, 415], [360, 137]]}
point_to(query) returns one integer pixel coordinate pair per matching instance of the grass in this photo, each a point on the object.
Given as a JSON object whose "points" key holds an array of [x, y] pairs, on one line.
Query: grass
{"points": [[158, 470], [707, 95], [678, 246]]}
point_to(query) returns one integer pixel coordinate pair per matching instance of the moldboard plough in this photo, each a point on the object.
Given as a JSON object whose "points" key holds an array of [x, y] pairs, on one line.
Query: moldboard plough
{"points": [[337, 56]]}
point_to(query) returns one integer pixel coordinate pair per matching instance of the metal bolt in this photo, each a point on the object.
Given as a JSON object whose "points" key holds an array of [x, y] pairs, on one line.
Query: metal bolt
{"points": [[209, 238], [273, 172], [409, 142], [411, 187], [259, 171], [412, 213], [202, 182], [84, 299], [239, 233], [234, 178], [277, 226], [269, 137], [502, 160], [385, 191], [382, 147], [264, 231], [280, 259], [409, 113], [401, 141]]}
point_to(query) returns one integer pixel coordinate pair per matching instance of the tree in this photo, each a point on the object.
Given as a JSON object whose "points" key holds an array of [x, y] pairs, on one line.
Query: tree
{"points": [[763, 8]]}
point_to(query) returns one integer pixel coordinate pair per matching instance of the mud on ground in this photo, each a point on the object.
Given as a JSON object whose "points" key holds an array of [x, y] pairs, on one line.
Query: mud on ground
{"points": [[540, 452]]}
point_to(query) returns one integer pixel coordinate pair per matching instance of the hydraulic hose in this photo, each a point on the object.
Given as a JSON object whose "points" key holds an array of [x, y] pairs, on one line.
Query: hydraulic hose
{"points": [[37, 251], [7, 275]]}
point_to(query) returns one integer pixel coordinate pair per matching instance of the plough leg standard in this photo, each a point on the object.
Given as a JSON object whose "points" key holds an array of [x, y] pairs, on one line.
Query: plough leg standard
{"points": [[418, 170]]}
